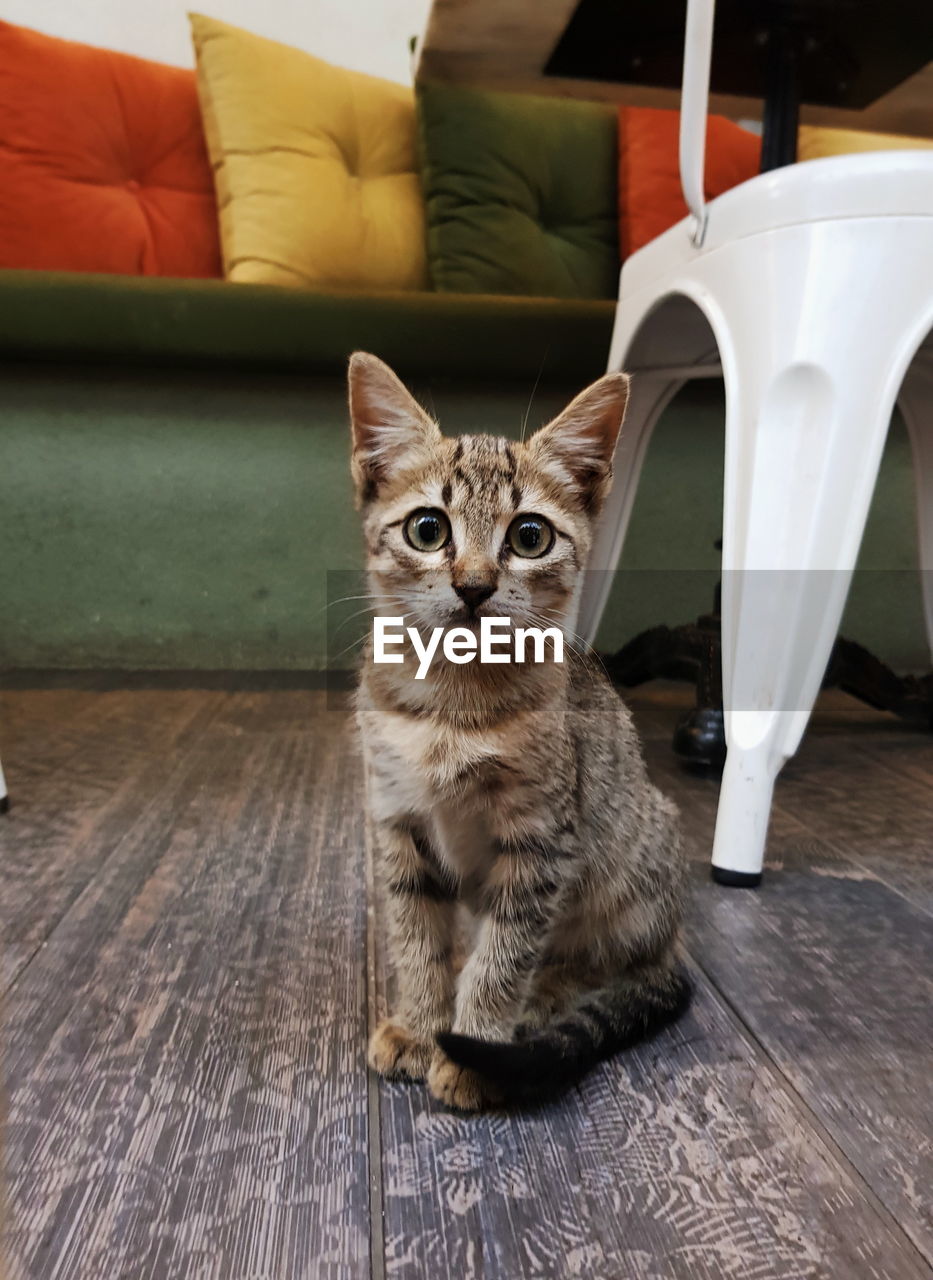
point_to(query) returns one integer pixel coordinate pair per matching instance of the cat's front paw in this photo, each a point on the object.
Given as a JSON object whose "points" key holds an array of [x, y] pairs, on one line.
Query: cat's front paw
{"points": [[396, 1054], [458, 1087]]}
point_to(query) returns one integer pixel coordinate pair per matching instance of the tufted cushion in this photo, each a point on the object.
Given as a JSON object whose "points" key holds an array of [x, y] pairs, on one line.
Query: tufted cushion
{"points": [[314, 165], [520, 193], [650, 197], [103, 162]]}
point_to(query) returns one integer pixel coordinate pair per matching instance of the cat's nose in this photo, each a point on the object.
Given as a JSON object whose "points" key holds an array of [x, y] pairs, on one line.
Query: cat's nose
{"points": [[473, 593]]}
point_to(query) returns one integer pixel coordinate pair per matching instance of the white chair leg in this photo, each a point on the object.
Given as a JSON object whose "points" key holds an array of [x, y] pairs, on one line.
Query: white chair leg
{"points": [[4, 797], [810, 387], [916, 404], [802, 455], [663, 343], [649, 396]]}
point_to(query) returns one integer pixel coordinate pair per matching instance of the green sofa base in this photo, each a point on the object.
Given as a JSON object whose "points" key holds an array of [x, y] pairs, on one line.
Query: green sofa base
{"points": [[147, 322], [184, 519]]}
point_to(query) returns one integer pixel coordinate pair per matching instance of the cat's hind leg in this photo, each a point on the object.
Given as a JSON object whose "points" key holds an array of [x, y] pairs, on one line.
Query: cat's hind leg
{"points": [[555, 990], [639, 1004]]}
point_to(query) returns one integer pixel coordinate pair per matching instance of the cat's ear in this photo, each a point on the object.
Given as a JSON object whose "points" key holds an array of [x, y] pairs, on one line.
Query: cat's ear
{"points": [[391, 431], [576, 448]]}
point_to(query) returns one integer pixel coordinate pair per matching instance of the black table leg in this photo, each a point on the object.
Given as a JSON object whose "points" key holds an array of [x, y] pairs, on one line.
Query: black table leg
{"points": [[782, 100]]}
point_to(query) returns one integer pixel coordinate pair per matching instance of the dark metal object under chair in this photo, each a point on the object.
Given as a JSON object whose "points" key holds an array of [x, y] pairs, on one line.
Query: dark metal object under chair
{"points": [[693, 653]]}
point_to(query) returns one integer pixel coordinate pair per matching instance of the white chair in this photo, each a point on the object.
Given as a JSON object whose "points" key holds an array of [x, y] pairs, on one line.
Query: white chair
{"points": [[809, 290]]}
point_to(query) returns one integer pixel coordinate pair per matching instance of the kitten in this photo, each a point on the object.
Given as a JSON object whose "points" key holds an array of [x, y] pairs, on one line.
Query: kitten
{"points": [[517, 791]]}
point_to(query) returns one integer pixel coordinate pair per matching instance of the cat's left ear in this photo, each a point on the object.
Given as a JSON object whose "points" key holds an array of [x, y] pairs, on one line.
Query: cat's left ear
{"points": [[576, 448], [391, 431]]}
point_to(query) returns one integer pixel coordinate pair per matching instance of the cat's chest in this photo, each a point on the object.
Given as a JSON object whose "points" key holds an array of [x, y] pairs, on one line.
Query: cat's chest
{"points": [[442, 764], [448, 780], [463, 843]]}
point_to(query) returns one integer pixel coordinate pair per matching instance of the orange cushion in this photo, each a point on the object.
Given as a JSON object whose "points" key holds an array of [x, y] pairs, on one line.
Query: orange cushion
{"points": [[102, 162], [650, 199]]}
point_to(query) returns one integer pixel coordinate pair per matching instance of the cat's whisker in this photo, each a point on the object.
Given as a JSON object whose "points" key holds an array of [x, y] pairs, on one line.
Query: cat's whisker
{"points": [[365, 595], [406, 618], [352, 617], [527, 412], [361, 640], [354, 644], [574, 642], [542, 619], [332, 604]]}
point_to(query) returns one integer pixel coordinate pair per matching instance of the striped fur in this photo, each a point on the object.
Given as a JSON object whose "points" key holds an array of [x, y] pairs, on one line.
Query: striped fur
{"points": [[514, 794]]}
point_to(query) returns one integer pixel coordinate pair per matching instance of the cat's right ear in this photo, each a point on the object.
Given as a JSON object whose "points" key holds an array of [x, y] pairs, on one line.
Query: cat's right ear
{"points": [[391, 431]]}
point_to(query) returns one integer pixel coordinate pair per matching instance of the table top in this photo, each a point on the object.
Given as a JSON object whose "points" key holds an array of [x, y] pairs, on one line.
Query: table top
{"points": [[508, 44]]}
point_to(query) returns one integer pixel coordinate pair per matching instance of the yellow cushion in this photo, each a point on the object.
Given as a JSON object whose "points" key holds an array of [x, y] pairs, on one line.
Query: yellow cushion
{"points": [[315, 166], [814, 142]]}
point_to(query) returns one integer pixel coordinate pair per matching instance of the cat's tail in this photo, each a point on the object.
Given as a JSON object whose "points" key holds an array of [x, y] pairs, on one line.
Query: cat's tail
{"points": [[548, 1062]]}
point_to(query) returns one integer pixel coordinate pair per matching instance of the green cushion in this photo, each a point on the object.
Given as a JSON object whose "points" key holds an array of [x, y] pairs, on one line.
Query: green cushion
{"points": [[521, 193], [204, 323]]}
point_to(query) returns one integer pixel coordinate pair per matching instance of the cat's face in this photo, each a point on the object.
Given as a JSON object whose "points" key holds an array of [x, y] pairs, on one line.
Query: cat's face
{"points": [[457, 529]]}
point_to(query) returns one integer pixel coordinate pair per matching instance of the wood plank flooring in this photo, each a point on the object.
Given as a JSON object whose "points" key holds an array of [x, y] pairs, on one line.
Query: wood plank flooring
{"points": [[192, 956]]}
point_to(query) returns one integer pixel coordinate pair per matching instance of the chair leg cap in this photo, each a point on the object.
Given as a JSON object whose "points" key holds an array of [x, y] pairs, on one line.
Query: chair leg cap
{"points": [[700, 737], [5, 804], [736, 879]]}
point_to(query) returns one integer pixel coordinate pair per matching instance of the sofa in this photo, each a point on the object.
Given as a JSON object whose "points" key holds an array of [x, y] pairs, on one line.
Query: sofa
{"points": [[174, 481]]}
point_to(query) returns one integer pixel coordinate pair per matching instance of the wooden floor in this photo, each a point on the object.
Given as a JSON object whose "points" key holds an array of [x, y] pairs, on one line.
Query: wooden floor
{"points": [[191, 964]]}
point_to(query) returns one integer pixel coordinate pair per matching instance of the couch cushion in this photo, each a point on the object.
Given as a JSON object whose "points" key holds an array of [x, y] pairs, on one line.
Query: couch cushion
{"points": [[315, 166], [650, 198], [207, 323], [520, 193], [103, 162], [815, 141]]}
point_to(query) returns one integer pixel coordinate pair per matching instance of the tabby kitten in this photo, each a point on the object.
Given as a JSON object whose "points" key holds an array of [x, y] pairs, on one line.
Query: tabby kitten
{"points": [[515, 791]]}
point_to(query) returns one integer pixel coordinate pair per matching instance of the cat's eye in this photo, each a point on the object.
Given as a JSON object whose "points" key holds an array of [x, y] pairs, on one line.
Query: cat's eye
{"points": [[427, 530], [530, 536]]}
